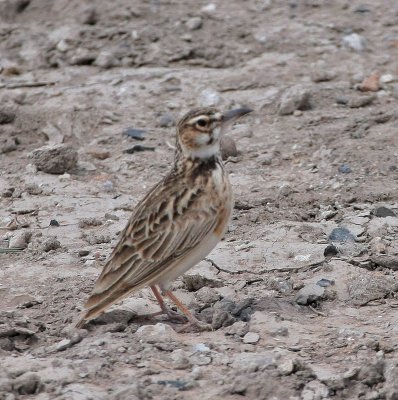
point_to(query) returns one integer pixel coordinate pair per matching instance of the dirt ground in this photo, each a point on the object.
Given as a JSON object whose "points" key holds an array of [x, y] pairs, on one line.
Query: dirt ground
{"points": [[302, 293]]}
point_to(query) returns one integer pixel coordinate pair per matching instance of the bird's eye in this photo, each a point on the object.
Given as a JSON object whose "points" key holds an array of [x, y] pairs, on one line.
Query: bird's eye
{"points": [[201, 122]]}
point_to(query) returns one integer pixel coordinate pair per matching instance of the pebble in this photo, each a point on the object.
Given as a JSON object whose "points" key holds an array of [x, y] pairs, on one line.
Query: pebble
{"points": [[180, 359], [51, 243], [378, 246], [209, 8], [325, 282], [7, 116], [320, 72], [207, 296], [83, 253], [354, 41], [251, 338], [20, 240], [383, 212], [88, 222], [370, 83], [82, 56], [239, 328], [28, 383], [209, 98], [55, 159], [106, 59], [295, 98], [228, 147], [137, 134], [138, 148], [194, 23], [286, 367], [361, 101], [33, 189], [155, 333], [387, 78], [166, 120], [345, 169], [341, 235], [201, 347], [265, 159], [309, 294]]}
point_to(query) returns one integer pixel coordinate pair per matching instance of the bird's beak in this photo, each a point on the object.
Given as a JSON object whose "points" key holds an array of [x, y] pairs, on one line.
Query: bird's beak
{"points": [[231, 116]]}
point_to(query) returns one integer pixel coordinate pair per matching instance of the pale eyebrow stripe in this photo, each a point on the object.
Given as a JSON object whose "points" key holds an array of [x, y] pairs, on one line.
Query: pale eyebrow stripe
{"points": [[196, 119]]}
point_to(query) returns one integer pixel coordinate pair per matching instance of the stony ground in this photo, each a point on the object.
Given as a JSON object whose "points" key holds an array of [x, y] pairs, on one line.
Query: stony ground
{"points": [[302, 293]]}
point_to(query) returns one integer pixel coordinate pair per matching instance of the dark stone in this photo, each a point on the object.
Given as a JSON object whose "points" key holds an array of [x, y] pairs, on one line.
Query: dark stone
{"points": [[383, 212], [54, 222], [342, 235], [325, 282], [137, 134], [6, 116], [330, 251], [345, 169], [136, 148]]}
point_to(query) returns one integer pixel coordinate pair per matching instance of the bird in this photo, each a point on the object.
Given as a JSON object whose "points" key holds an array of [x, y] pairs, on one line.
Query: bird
{"points": [[176, 225]]}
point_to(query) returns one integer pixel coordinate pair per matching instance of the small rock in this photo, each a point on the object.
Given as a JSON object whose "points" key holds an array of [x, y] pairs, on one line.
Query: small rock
{"points": [[228, 147], [286, 367], [310, 294], [387, 78], [378, 246], [89, 222], [138, 148], [28, 383], [361, 101], [251, 338], [315, 390], [207, 296], [345, 169], [8, 145], [180, 359], [133, 133], [209, 8], [325, 282], [106, 59], [385, 261], [56, 159], [201, 347], [166, 120], [239, 328], [89, 16], [265, 159], [221, 318], [82, 56], [383, 212], [285, 190], [51, 243], [295, 98], [194, 23], [54, 222], [20, 240], [370, 83], [7, 116], [155, 333], [320, 72], [341, 235], [371, 373], [99, 155], [112, 217], [83, 253], [354, 42], [33, 189], [209, 98]]}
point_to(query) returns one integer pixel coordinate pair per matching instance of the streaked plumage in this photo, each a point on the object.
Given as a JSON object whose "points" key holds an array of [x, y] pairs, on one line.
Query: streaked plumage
{"points": [[177, 223]]}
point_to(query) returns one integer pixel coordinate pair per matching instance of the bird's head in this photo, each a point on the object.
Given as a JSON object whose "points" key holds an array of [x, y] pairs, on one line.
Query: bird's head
{"points": [[199, 131]]}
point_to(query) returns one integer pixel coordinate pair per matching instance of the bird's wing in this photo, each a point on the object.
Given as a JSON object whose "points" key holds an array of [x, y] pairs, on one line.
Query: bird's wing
{"points": [[165, 226]]}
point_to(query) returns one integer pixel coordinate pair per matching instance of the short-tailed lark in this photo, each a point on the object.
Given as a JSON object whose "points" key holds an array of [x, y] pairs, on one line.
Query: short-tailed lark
{"points": [[178, 222]]}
